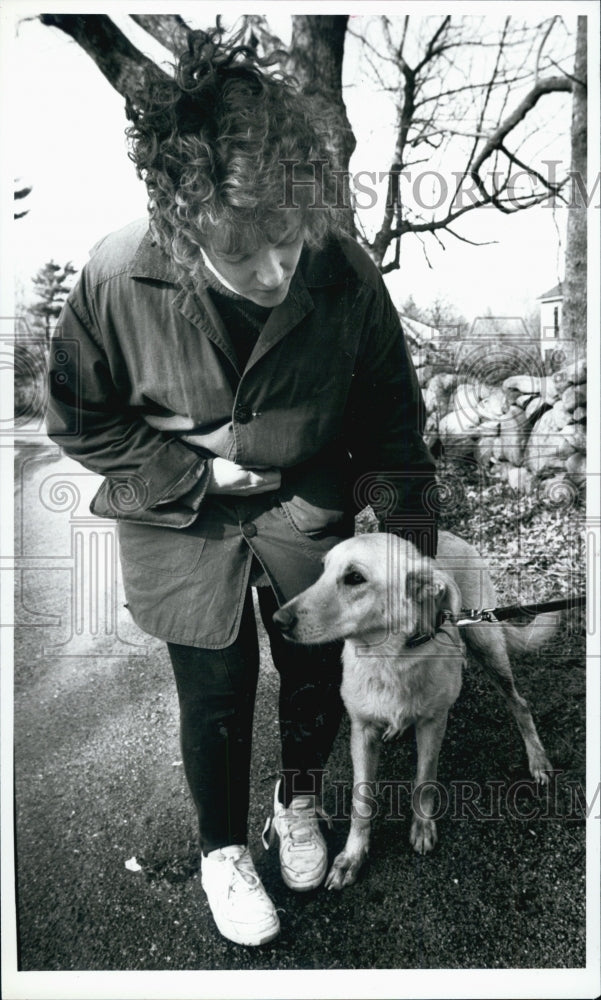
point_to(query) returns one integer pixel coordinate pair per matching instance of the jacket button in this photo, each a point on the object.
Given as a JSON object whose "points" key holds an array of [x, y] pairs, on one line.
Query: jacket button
{"points": [[249, 529], [243, 414]]}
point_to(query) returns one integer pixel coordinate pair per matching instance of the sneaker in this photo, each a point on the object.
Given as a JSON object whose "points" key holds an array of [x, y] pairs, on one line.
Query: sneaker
{"points": [[303, 852], [240, 906]]}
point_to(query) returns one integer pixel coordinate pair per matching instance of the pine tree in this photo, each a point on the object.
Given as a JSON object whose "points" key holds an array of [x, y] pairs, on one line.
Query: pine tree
{"points": [[52, 287]]}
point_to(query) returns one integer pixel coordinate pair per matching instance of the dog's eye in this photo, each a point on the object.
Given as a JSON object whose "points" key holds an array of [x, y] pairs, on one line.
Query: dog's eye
{"points": [[353, 578]]}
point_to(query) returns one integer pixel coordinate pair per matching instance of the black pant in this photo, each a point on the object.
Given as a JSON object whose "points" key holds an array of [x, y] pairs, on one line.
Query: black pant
{"points": [[216, 690]]}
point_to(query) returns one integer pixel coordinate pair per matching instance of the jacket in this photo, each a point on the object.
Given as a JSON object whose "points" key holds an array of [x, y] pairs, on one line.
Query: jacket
{"points": [[328, 395]]}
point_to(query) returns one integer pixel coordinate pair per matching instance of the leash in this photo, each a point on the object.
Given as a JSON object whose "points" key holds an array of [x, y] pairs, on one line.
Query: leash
{"points": [[472, 616]]}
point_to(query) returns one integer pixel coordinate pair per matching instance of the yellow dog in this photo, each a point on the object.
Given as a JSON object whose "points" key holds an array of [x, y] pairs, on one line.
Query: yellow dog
{"points": [[403, 658]]}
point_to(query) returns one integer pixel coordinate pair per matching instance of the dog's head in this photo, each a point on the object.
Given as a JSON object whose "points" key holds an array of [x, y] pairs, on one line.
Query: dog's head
{"points": [[373, 587]]}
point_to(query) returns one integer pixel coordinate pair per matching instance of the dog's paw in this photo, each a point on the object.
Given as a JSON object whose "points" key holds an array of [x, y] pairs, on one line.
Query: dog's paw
{"points": [[539, 766], [423, 835], [344, 871]]}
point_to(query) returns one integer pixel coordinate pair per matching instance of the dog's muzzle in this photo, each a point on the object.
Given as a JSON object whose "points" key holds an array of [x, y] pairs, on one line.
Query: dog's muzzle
{"points": [[285, 621]]}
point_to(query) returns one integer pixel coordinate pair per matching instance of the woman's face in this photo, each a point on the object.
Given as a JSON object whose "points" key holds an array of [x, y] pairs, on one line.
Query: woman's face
{"points": [[264, 273]]}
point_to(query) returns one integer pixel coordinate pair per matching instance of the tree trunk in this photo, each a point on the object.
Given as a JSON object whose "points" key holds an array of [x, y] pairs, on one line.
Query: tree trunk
{"points": [[574, 306], [315, 61]]}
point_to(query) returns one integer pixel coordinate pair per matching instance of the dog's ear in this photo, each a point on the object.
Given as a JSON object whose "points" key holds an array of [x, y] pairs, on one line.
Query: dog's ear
{"points": [[432, 591]]}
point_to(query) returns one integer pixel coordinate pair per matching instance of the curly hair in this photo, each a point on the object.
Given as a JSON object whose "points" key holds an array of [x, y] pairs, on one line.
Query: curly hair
{"points": [[218, 146]]}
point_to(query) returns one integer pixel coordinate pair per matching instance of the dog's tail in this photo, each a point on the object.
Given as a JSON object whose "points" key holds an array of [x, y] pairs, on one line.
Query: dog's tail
{"points": [[530, 636]]}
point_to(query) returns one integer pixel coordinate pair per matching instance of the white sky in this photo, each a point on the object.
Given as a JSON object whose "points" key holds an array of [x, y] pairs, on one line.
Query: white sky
{"points": [[69, 144]]}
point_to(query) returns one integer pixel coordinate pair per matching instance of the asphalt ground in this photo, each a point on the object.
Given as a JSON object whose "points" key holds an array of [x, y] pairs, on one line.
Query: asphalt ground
{"points": [[99, 782]]}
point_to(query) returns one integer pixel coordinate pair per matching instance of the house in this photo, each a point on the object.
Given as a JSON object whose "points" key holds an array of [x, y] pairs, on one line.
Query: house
{"points": [[416, 330], [550, 317]]}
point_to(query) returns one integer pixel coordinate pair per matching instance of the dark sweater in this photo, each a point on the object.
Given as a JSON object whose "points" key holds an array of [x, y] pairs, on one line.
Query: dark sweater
{"points": [[242, 319]]}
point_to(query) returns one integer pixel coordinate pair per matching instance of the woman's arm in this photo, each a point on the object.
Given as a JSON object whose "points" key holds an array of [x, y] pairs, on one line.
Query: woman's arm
{"points": [[92, 424], [394, 470], [148, 463]]}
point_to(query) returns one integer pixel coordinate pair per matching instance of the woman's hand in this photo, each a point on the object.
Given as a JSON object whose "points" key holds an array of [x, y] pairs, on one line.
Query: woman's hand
{"points": [[227, 477]]}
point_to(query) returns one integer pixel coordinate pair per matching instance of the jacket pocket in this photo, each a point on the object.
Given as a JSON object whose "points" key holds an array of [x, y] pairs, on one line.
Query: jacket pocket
{"points": [[313, 498], [121, 506], [162, 550], [311, 520]]}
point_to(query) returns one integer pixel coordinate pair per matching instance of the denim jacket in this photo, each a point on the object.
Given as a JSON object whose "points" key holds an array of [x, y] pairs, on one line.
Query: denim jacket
{"points": [[328, 395]]}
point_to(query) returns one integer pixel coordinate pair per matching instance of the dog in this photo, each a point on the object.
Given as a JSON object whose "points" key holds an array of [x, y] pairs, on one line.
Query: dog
{"points": [[402, 661]]}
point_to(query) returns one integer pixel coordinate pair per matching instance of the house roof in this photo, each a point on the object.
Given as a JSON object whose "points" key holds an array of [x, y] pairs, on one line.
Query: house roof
{"points": [[418, 331], [553, 293]]}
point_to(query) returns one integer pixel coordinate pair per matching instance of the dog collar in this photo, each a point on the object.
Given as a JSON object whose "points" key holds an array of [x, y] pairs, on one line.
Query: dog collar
{"points": [[444, 617], [418, 639]]}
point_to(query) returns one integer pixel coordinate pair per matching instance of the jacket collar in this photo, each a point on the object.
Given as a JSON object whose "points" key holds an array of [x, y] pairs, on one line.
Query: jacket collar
{"points": [[316, 269], [150, 262], [283, 318], [328, 266], [200, 310]]}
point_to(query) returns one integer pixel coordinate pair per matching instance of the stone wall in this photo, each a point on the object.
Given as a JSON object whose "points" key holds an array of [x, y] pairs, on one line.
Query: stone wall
{"points": [[524, 426]]}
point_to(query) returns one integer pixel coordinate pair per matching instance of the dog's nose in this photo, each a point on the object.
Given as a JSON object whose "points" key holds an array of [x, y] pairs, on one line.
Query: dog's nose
{"points": [[285, 619]]}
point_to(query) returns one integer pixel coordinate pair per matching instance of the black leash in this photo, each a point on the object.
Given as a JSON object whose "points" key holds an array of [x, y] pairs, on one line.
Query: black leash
{"points": [[472, 616]]}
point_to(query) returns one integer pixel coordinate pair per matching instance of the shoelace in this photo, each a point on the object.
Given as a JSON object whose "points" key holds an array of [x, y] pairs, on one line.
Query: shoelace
{"points": [[243, 875], [300, 827], [298, 823]]}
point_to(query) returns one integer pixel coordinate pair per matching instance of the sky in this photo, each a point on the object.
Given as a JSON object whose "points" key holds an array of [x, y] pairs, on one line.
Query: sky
{"points": [[68, 142]]}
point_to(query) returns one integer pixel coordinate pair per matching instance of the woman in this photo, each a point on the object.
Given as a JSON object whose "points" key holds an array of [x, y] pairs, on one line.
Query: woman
{"points": [[238, 374]]}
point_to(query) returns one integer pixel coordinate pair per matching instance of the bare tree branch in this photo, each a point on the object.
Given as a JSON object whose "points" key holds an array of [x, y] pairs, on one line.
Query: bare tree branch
{"points": [[548, 86], [452, 92], [543, 42], [570, 76], [377, 51], [121, 62], [434, 120], [553, 188], [473, 243], [432, 49], [169, 29]]}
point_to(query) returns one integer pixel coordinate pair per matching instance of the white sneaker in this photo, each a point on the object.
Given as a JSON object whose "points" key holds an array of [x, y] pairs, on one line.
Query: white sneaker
{"points": [[303, 852], [240, 906]]}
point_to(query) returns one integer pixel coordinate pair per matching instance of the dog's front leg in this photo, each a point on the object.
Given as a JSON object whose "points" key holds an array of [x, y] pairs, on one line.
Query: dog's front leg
{"points": [[429, 736], [365, 751]]}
